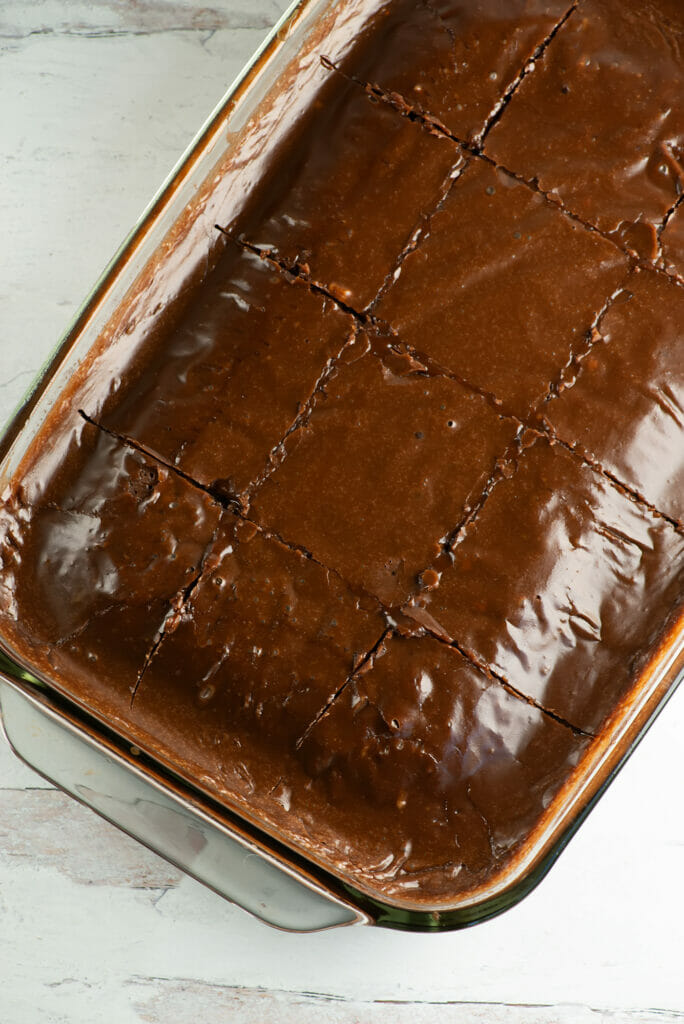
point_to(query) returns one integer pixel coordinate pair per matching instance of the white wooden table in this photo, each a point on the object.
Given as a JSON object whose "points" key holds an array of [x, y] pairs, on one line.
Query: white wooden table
{"points": [[97, 100]]}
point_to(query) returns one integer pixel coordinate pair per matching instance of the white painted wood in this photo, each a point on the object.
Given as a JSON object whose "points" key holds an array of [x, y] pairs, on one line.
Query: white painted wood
{"points": [[21, 18], [97, 101], [42, 828], [90, 128]]}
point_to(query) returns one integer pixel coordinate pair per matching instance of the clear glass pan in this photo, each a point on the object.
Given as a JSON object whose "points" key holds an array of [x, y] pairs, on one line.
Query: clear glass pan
{"points": [[222, 847]]}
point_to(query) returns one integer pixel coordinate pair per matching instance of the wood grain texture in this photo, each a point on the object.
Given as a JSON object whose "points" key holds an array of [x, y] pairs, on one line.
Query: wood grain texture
{"points": [[99, 100], [45, 829], [91, 127], [158, 1000], [19, 19]]}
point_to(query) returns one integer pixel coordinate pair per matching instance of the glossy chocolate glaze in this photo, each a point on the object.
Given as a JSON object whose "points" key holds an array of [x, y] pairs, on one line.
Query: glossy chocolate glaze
{"points": [[453, 60], [351, 161], [266, 640], [436, 765], [313, 559], [249, 331], [93, 559], [599, 123], [503, 287], [672, 242], [636, 363], [559, 586], [413, 453]]}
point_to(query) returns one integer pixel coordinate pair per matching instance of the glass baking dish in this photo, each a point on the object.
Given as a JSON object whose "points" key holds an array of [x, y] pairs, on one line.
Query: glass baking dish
{"points": [[103, 767]]}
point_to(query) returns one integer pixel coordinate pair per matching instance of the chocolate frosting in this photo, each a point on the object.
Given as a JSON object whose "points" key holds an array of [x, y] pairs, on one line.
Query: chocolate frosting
{"points": [[562, 606], [454, 59], [93, 560], [672, 241], [328, 212], [376, 527], [637, 363], [540, 276], [413, 453], [195, 397], [599, 123]]}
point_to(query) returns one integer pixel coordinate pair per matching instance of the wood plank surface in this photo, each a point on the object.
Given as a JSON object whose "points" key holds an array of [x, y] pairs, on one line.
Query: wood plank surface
{"points": [[98, 101]]}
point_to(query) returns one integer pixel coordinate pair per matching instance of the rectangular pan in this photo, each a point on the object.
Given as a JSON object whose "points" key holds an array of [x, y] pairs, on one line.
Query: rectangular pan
{"points": [[210, 185]]}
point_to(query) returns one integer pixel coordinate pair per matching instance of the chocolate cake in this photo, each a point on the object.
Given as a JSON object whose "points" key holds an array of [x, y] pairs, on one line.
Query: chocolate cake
{"points": [[374, 532]]}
